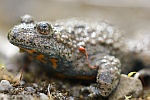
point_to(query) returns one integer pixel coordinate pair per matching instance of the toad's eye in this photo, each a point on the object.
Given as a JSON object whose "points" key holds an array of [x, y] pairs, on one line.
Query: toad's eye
{"points": [[44, 28]]}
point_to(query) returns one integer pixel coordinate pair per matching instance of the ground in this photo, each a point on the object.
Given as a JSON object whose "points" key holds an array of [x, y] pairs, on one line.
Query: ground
{"points": [[33, 86]]}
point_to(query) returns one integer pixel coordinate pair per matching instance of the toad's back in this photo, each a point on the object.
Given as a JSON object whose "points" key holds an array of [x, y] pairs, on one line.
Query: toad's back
{"points": [[56, 44]]}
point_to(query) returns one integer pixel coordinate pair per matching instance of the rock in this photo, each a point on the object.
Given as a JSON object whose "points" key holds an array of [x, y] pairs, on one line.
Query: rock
{"points": [[128, 86], [5, 86], [43, 96], [30, 89], [3, 96]]}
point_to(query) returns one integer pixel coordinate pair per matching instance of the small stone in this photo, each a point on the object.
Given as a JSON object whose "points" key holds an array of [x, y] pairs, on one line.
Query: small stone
{"points": [[4, 97], [35, 85], [30, 89], [43, 96], [70, 98], [128, 86], [22, 82], [5, 85]]}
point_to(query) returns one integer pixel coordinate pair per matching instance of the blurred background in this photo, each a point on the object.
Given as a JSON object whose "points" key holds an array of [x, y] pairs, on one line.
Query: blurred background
{"points": [[132, 16]]}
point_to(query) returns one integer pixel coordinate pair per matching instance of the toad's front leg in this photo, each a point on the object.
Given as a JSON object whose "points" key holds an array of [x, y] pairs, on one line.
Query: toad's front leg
{"points": [[107, 77]]}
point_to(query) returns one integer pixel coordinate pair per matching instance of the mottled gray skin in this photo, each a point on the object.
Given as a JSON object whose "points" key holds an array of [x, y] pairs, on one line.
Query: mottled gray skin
{"points": [[61, 40]]}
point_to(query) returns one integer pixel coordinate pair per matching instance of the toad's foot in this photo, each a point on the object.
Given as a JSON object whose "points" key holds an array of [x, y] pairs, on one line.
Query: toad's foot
{"points": [[107, 78]]}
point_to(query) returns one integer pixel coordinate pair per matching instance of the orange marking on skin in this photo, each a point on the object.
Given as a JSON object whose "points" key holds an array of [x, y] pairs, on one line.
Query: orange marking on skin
{"points": [[30, 58], [86, 77], [21, 50], [82, 49], [40, 58], [29, 51], [76, 77], [54, 62], [60, 75]]}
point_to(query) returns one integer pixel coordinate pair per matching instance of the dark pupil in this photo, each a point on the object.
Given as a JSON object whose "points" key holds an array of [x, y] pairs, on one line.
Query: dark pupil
{"points": [[44, 26]]}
